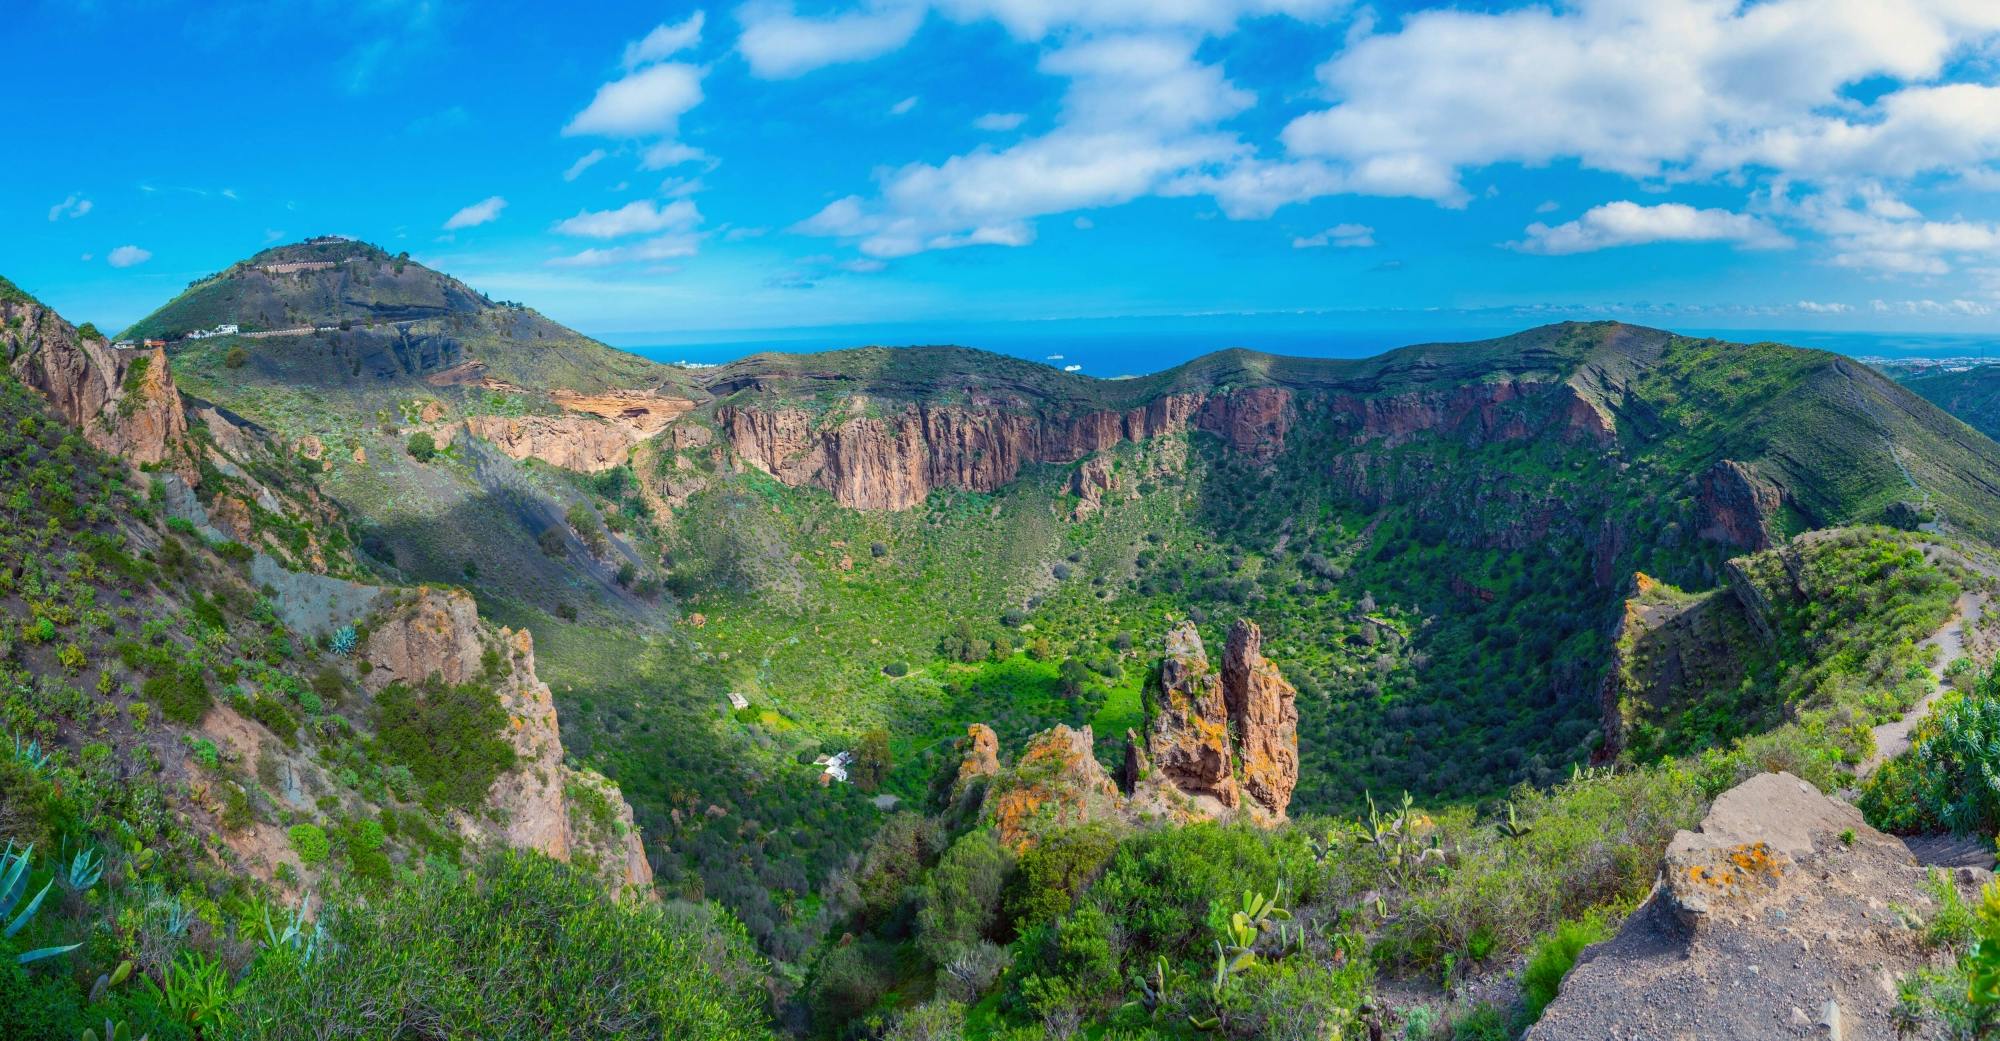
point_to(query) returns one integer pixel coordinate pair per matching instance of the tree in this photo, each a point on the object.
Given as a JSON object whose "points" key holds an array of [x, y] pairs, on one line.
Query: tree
{"points": [[1072, 676], [960, 898], [422, 446], [871, 760], [236, 358]]}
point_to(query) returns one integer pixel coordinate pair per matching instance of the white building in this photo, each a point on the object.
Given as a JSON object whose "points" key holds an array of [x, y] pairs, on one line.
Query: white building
{"points": [[738, 701], [836, 767]]}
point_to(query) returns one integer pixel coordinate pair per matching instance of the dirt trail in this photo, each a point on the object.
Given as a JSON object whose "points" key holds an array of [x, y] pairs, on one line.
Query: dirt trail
{"points": [[1893, 739]]}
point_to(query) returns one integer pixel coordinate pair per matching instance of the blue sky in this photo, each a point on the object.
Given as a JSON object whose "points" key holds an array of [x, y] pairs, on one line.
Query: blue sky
{"points": [[647, 171]]}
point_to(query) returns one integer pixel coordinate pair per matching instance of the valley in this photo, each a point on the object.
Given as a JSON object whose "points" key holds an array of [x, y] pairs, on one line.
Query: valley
{"points": [[396, 577]]}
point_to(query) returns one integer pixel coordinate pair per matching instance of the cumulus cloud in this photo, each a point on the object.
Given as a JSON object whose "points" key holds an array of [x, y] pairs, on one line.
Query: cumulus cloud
{"points": [[584, 162], [779, 43], [74, 206], [1815, 307], [647, 102], [1662, 89], [634, 218], [1138, 112], [1630, 224], [485, 211], [127, 256], [999, 121], [664, 247], [1340, 236], [1870, 229], [1034, 19], [665, 41], [903, 107], [667, 154]]}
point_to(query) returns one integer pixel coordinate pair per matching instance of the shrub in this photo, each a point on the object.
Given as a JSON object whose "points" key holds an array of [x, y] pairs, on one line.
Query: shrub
{"points": [[521, 947], [959, 901], [1950, 778], [448, 737], [1053, 872], [311, 843], [422, 446], [181, 693], [1554, 956], [236, 358]]}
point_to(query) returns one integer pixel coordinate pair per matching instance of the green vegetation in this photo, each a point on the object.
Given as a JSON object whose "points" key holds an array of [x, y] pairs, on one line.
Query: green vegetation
{"points": [[1951, 777], [448, 736], [523, 947], [421, 446], [1553, 957]]}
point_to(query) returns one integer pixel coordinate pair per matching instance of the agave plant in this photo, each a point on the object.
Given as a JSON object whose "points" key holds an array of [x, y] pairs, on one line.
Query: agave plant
{"points": [[13, 885], [344, 640], [299, 936], [29, 754], [81, 871]]}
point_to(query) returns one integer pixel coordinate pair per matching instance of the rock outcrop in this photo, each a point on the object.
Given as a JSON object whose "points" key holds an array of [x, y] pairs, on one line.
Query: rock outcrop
{"points": [[891, 461], [123, 401], [1264, 710], [579, 443], [1775, 918], [1216, 742], [1737, 506], [437, 632], [1056, 781]]}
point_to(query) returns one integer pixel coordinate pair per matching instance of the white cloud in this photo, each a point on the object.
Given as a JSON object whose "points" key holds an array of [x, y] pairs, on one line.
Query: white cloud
{"points": [[127, 256], [1871, 230], [1139, 111], [1627, 223], [664, 247], [1340, 236], [485, 211], [1662, 88], [74, 206], [680, 187], [584, 162], [648, 102], [780, 43], [863, 266], [664, 41], [634, 218], [666, 154], [1815, 307], [999, 121], [1034, 19], [903, 107]]}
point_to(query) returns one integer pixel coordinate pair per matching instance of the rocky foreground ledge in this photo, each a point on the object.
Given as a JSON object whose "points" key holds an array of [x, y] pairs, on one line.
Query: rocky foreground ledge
{"points": [[1776, 918]]}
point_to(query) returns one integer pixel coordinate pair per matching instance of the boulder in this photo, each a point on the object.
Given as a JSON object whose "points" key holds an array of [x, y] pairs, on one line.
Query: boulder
{"points": [[1783, 900]]}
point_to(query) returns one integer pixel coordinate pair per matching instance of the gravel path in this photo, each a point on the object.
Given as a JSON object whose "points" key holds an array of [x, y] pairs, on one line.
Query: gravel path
{"points": [[1893, 739]]}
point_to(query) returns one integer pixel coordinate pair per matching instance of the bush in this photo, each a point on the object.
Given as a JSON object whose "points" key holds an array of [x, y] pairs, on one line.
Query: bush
{"points": [[1053, 872], [521, 947], [236, 358], [448, 737], [1950, 778], [311, 843], [1554, 956], [422, 446], [959, 901], [181, 693]]}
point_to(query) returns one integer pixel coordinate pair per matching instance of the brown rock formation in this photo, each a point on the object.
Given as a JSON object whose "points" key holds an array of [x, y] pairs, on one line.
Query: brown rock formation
{"points": [[982, 755], [893, 461], [1736, 505], [1090, 484], [571, 442], [1216, 743], [643, 412], [1772, 919], [1263, 709], [1057, 781], [123, 401], [1187, 736], [437, 631]]}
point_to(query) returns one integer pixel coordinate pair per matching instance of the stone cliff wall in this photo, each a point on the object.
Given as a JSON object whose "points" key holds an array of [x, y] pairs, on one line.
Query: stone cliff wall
{"points": [[436, 631]]}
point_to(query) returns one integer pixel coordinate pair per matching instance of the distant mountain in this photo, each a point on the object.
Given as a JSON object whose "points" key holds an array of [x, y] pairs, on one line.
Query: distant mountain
{"points": [[1972, 395], [344, 315]]}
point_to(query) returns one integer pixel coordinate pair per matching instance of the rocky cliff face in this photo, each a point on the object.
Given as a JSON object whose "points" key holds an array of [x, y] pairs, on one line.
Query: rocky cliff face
{"points": [[577, 443], [1738, 506], [1218, 741], [123, 401], [1775, 918], [1264, 709], [436, 631], [890, 460]]}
